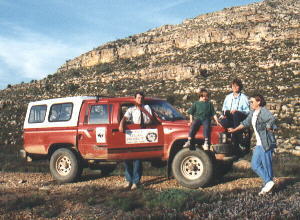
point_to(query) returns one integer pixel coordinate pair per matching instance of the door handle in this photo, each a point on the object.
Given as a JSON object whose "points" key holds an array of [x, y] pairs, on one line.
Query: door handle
{"points": [[90, 129], [115, 130], [79, 136]]}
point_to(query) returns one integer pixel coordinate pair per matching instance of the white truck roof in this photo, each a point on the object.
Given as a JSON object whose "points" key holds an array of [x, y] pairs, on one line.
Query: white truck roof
{"points": [[76, 100]]}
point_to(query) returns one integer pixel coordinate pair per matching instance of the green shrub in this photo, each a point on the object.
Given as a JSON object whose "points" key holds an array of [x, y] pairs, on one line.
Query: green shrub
{"points": [[174, 199], [103, 68], [124, 201], [169, 199]]}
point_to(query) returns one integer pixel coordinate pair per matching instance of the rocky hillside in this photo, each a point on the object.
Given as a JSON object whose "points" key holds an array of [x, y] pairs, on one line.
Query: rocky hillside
{"points": [[259, 43]]}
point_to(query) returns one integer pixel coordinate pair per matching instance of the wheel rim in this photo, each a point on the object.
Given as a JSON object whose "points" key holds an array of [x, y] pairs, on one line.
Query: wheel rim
{"points": [[191, 167], [63, 165]]}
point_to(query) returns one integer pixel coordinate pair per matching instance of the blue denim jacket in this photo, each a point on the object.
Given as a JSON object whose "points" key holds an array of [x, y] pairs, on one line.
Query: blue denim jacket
{"points": [[265, 121]]}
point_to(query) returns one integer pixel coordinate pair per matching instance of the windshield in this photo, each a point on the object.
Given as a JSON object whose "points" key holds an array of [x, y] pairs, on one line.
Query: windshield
{"points": [[165, 110]]}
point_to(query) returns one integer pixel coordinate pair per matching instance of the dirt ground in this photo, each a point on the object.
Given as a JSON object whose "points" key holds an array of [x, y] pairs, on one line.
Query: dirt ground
{"points": [[69, 201]]}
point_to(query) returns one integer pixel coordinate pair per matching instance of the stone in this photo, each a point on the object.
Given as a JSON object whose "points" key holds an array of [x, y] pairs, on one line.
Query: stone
{"points": [[22, 181]]}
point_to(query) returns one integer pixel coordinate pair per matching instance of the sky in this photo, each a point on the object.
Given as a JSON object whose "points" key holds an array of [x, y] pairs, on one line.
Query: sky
{"points": [[38, 36]]}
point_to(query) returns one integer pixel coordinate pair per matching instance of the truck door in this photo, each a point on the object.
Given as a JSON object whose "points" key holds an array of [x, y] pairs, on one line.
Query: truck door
{"points": [[136, 142], [92, 132]]}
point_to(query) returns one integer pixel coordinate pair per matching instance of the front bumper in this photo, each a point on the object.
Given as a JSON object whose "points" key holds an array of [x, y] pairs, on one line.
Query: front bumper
{"points": [[224, 152], [223, 149], [22, 153]]}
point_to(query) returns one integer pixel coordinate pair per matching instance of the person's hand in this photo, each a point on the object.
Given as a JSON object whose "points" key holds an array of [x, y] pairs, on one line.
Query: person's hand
{"points": [[233, 111], [218, 123], [222, 117], [230, 130], [121, 128], [189, 124]]}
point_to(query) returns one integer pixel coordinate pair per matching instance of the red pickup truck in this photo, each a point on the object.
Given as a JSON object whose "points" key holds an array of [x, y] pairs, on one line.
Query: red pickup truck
{"points": [[79, 132]]}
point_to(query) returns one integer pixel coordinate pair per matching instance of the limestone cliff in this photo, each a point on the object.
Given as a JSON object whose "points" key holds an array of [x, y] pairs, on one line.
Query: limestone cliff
{"points": [[267, 21], [259, 43]]}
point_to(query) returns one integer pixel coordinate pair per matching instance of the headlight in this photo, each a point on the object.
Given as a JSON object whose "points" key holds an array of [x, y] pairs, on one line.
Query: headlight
{"points": [[223, 138]]}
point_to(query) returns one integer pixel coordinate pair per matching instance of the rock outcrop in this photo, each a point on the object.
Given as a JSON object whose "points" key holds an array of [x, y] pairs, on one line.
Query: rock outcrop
{"points": [[259, 43]]}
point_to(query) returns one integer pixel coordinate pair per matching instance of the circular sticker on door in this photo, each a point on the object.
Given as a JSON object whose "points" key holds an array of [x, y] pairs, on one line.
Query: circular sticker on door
{"points": [[151, 137]]}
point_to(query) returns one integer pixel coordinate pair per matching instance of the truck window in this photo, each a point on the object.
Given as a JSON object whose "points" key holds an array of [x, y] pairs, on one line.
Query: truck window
{"points": [[98, 114], [60, 112], [37, 114], [124, 108]]}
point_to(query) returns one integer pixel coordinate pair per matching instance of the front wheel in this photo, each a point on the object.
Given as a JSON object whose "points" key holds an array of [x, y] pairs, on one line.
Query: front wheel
{"points": [[64, 166], [192, 169]]}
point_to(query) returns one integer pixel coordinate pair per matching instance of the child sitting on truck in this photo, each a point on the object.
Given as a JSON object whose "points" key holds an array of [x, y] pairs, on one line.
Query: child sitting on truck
{"points": [[201, 113]]}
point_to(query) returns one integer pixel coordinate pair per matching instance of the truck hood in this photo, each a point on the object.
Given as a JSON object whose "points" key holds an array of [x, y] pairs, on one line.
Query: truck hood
{"points": [[176, 123]]}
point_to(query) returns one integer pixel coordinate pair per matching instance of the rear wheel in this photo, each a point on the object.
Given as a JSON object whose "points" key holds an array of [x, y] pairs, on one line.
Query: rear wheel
{"points": [[192, 169], [64, 166]]}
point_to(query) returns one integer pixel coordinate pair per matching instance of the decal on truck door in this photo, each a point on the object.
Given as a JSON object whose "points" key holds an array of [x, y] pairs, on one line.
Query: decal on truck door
{"points": [[101, 135], [141, 136]]}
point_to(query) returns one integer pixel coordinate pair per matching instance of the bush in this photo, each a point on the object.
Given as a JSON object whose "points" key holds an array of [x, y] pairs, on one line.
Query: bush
{"points": [[73, 88], [169, 199], [174, 199], [103, 68], [124, 201]]}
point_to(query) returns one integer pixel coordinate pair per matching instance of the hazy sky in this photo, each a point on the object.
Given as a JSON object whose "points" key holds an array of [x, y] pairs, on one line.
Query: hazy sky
{"points": [[38, 36]]}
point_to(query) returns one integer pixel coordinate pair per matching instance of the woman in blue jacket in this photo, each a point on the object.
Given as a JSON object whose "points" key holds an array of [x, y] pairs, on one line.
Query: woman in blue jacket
{"points": [[263, 123]]}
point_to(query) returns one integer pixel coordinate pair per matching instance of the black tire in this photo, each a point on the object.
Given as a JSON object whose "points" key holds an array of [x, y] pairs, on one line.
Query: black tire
{"points": [[192, 169], [65, 166]]}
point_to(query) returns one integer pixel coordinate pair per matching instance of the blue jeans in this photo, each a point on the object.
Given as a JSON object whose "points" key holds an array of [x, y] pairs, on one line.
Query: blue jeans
{"points": [[261, 163], [133, 171], [196, 125]]}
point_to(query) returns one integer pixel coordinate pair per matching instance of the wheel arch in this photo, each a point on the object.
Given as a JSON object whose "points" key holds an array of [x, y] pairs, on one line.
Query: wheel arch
{"points": [[57, 146]]}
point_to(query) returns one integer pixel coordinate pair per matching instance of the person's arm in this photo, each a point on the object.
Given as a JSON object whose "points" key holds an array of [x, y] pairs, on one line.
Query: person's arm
{"points": [[244, 124], [191, 120], [226, 106], [232, 130], [270, 120], [245, 107], [216, 120], [213, 114], [191, 111], [126, 117], [122, 124]]}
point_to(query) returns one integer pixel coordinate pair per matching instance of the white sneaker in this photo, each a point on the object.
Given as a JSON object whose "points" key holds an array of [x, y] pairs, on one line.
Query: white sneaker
{"points": [[262, 192], [127, 185], [134, 186], [267, 188], [187, 144], [205, 146]]}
